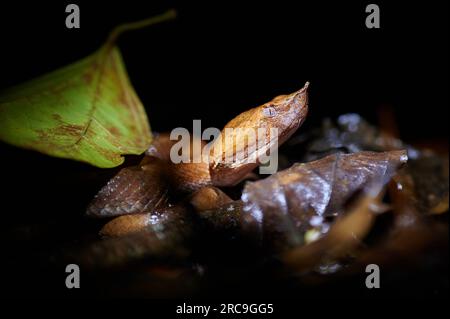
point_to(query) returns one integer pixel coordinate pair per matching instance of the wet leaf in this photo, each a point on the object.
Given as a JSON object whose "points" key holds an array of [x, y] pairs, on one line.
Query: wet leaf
{"points": [[87, 111], [431, 183], [225, 217], [346, 235], [308, 196], [350, 133]]}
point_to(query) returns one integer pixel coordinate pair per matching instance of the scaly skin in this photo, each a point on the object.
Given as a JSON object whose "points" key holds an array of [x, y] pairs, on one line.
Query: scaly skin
{"points": [[284, 112]]}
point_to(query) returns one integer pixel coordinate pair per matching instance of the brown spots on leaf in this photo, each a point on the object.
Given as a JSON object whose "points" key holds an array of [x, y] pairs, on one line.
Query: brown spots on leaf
{"points": [[88, 77], [84, 87], [114, 131], [108, 154], [57, 117], [122, 98], [52, 138], [126, 97], [68, 130], [71, 130]]}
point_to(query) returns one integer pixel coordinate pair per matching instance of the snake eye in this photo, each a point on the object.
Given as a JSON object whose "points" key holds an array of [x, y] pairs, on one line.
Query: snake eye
{"points": [[269, 111]]}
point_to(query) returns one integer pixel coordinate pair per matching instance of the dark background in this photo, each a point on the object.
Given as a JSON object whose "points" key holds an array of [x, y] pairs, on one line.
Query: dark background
{"points": [[217, 60], [213, 62]]}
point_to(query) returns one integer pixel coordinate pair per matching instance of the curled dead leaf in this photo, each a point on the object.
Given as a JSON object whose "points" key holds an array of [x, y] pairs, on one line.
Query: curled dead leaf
{"points": [[307, 196], [345, 235]]}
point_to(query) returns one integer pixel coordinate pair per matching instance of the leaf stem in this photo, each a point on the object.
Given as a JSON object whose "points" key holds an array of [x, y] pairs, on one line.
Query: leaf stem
{"points": [[117, 31]]}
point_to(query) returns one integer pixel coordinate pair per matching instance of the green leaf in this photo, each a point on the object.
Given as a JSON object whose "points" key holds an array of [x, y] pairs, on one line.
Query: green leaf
{"points": [[87, 111]]}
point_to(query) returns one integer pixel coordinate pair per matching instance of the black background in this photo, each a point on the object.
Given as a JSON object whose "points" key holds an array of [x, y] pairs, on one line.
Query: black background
{"points": [[218, 59]]}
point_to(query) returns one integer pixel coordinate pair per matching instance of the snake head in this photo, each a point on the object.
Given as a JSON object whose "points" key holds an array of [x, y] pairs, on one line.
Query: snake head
{"points": [[254, 133]]}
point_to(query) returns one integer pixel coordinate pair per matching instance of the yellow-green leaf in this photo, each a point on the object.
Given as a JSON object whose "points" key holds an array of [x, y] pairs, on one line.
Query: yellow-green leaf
{"points": [[87, 111]]}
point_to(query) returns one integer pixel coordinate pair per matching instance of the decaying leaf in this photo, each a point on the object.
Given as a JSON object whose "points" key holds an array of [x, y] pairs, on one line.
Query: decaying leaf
{"points": [[87, 111], [305, 196], [411, 238], [345, 235], [431, 182], [225, 222], [351, 133], [137, 189]]}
